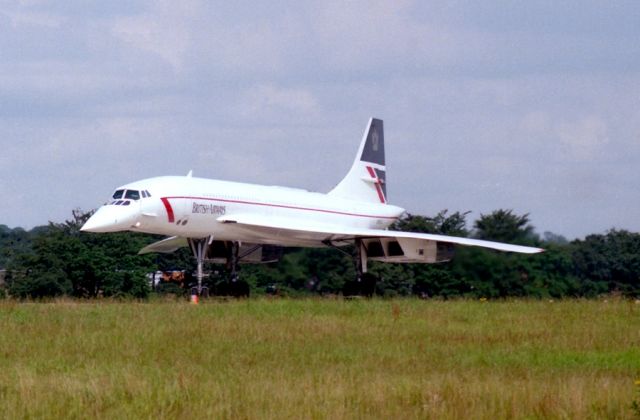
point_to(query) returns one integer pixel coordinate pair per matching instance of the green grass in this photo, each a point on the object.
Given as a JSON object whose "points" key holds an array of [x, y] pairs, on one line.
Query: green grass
{"points": [[319, 359]]}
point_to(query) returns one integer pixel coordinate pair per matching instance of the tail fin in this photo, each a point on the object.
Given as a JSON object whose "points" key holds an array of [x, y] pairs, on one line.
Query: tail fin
{"points": [[366, 181]]}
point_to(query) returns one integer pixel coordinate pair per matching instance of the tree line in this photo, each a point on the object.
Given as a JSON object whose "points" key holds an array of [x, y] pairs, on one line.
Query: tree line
{"points": [[59, 260]]}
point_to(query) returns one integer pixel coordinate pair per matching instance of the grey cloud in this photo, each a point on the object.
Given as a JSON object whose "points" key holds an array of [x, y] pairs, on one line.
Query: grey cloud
{"points": [[527, 106]]}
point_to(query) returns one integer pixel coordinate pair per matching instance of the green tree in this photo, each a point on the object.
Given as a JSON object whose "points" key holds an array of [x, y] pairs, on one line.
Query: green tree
{"points": [[551, 274], [443, 224], [487, 273], [609, 262], [64, 260], [12, 243], [505, 226]]}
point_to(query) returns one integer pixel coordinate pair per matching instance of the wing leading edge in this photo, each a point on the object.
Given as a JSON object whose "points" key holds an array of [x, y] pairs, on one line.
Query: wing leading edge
{"points": [[165, 246]]}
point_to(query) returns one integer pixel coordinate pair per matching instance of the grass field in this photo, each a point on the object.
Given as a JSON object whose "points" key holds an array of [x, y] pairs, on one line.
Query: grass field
{"points": [[317, 358]]}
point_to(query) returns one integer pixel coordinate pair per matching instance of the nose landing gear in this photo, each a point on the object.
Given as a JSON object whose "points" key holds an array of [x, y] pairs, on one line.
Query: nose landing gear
{"points": [[232, 286], [199, 249]]}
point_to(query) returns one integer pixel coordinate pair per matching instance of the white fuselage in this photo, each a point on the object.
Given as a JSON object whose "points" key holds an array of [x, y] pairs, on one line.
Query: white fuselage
{"points": [[198, 208]]}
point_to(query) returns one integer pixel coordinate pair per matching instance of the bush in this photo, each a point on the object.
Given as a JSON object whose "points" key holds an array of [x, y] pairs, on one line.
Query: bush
{"points": [[39, 285]]}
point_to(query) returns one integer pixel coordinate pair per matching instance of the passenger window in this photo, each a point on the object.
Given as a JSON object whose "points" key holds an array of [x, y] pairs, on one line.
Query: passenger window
{"points": [[132, 195], [118, 194]]}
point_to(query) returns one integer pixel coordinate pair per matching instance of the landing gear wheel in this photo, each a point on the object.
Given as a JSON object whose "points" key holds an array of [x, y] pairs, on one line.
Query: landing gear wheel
{"points": [[240, 289]]}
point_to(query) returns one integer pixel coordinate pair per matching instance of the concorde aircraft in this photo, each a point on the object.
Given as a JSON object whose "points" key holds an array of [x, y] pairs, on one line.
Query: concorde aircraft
{"points": [[234, 222]]}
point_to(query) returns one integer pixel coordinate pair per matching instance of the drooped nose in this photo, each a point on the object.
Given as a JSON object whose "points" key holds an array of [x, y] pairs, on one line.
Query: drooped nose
{"points": [[110, 218]]}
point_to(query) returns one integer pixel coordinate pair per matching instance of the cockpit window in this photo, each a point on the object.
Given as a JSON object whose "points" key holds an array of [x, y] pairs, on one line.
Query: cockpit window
{"points": [[118, 194], [132, 195]]}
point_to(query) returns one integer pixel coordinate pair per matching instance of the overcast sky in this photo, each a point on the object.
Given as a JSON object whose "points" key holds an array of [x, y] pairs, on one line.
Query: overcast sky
{"points": [[526, 105]]}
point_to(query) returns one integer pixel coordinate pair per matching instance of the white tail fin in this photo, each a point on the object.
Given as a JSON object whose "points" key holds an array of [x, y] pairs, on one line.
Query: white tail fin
{"points": [[366, 181]]}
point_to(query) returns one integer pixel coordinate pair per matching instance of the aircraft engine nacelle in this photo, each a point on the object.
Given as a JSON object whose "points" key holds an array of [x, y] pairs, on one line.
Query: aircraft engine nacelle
{"points": [[408, 250], [219, 252]]}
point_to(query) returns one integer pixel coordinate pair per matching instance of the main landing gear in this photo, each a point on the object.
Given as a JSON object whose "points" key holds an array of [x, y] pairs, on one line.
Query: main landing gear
{"points": [[232, 286], [360, 259], [364, 283]]}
